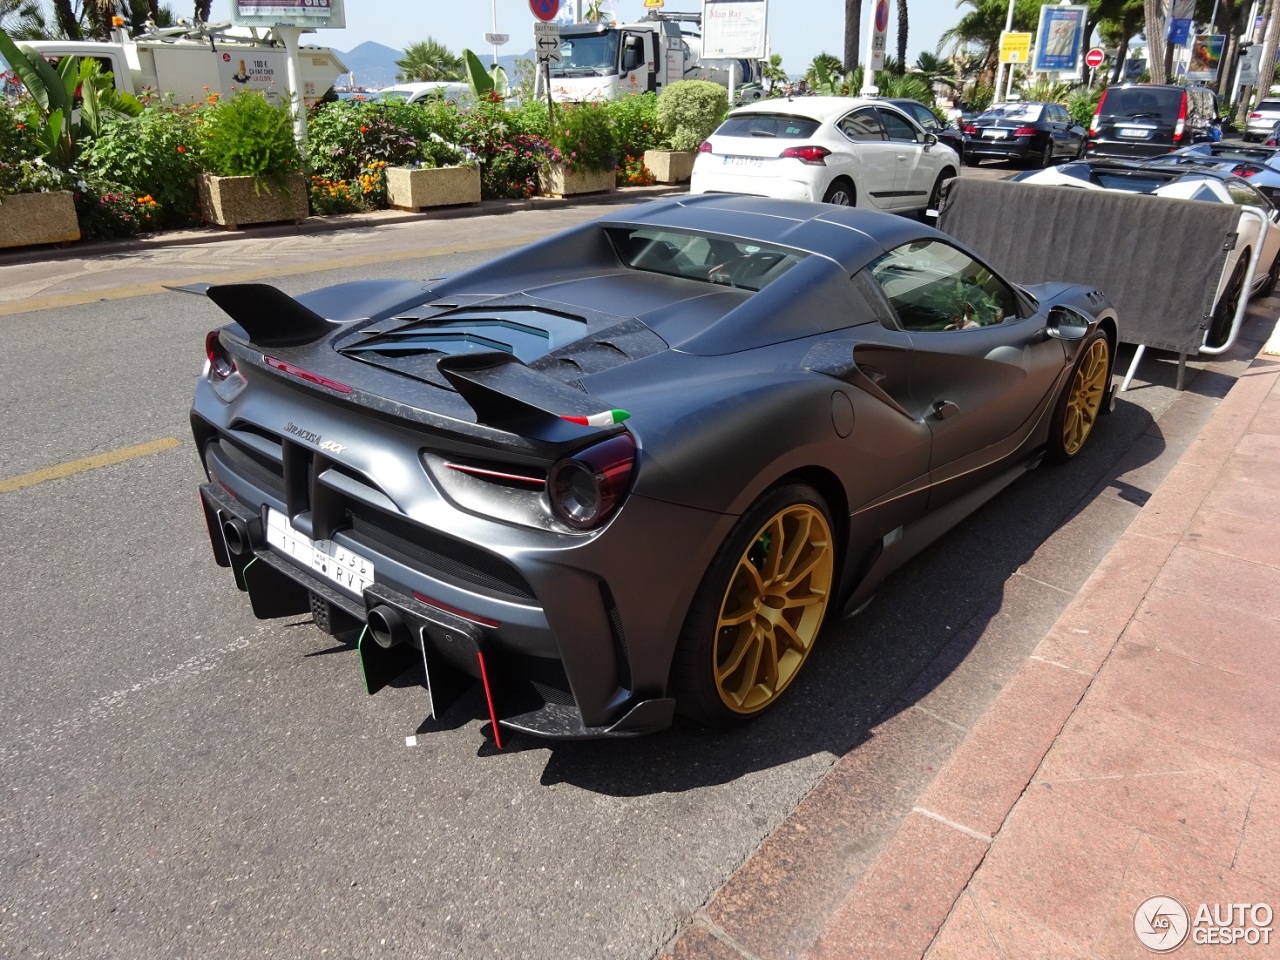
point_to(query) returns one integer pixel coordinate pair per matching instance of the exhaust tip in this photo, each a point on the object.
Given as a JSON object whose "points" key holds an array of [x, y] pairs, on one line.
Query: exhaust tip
{"points": [[236, 534], [387, 627]]}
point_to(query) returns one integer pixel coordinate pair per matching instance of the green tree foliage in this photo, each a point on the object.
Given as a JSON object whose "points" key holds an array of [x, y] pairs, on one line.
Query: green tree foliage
{"points": [[690, 110], [428, 60], [22, 19], [246, 136]]}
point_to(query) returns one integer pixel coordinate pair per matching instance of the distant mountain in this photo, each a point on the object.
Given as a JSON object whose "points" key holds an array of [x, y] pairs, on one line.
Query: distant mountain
{"points": [[374, 64]]}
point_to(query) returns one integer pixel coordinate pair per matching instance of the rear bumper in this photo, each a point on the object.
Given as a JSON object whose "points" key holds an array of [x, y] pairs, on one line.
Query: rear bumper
{"points": [[1022, 148], [526, 693], [777, 187], [1125, 150]]}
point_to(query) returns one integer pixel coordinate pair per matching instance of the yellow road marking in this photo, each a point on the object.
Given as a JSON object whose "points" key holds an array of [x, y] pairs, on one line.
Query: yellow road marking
{"points": [[73, 467], [53, 301]]}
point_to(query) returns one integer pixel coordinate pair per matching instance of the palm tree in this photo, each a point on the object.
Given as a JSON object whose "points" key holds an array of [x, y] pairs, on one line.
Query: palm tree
{"points": [[22, 19], [936, 70], [902, 35], [429, 60], [852, 23], [68, 22]]}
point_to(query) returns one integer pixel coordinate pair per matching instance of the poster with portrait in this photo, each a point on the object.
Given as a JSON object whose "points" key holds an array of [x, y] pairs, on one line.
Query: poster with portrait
{"points": [[1206, 57], [1060, 38]]}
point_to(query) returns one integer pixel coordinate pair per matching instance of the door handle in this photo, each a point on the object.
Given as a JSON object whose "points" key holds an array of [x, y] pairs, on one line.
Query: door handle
{"points": [[944, 408]]}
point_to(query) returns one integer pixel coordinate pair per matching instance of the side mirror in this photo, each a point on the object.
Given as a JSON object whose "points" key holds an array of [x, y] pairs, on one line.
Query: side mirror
{"points": [[1066, 324], [930, 139]]}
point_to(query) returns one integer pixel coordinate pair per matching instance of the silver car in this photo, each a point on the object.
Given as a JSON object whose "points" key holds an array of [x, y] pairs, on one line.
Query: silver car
{"points": [[1261, 119]]}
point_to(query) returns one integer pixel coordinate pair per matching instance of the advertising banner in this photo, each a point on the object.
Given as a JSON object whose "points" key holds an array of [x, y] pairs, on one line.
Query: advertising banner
{"points": [[1060, 38], [1179, 32], [289, 13], [734, 29], [1206, 57], [1015, 47]]}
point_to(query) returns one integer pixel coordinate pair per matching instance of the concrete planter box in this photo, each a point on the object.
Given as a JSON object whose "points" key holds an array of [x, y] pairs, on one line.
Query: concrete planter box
{"points": [[29, 218], [555, 181], [670, 166], [412, 189], [232, 201]]}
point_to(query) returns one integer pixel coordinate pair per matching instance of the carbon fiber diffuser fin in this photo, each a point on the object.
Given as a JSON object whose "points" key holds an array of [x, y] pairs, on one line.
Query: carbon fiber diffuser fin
{"points": [[271, 317]]}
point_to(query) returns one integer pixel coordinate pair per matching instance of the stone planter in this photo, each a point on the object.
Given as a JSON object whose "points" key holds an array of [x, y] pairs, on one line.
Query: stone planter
{"points": [[670, 166], [555, 181], [29, 218], [409, 188], [232, 201]]}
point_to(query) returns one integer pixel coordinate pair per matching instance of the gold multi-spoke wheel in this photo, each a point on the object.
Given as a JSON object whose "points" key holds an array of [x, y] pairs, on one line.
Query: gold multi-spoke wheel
{"points": [[1081, 403], [759, 609]]}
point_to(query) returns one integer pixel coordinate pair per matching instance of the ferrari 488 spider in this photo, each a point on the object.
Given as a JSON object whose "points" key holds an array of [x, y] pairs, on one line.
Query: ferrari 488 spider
{"points": [[634, 468]]}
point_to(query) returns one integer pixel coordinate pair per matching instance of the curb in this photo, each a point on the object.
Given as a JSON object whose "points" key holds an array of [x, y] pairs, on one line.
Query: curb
{"points": [[316, 225]]}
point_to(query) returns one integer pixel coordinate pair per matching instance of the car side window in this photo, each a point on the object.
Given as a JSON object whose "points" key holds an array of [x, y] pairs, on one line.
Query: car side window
{"points": [[936, 287], [862, 125], [925, 117], [898, 127]]}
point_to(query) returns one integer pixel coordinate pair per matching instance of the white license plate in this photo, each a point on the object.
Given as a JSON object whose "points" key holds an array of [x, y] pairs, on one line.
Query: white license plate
{"points": [[1134, 132], [741, 162], [329, 560]]}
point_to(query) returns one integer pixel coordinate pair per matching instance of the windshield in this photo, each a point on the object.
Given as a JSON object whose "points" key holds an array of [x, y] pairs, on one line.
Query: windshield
{"points": [[593, 55]]}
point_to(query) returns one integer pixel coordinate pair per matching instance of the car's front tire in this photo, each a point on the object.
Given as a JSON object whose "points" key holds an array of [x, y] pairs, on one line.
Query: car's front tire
{"points": [[1224, 311], [1080, 403], [759, 609], [841, 193]]}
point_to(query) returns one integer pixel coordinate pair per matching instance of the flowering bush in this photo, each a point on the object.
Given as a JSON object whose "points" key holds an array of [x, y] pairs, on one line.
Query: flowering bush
{"points": [[246, 136], [583, 134], [633, 173], [151, 153], [109, 212], [635, 123], [509, 159], [32, 176], [19, 151]]}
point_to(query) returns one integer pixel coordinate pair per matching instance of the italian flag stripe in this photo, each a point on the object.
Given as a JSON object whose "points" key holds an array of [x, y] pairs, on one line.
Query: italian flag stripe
{"points": [[606, 419]]}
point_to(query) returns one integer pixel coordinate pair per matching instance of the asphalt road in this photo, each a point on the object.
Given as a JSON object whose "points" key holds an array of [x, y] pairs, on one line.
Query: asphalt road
{"points": [[181, 780]]}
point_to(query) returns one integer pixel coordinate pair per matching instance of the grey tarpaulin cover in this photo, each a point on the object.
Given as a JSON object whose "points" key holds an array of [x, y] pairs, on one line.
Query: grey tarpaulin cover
{"points": [[1158, 259]]}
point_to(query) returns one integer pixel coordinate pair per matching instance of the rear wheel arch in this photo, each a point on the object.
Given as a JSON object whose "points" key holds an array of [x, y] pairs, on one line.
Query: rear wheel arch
{"points": [[839, 183]]}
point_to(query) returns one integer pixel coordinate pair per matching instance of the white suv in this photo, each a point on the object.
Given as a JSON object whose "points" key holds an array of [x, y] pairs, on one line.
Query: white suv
{"points": [[1261, 119], [851, 151]]}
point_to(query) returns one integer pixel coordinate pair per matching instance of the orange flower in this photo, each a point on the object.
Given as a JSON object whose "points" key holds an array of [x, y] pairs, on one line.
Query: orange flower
{"points": [[364, 129], [181, 148]]}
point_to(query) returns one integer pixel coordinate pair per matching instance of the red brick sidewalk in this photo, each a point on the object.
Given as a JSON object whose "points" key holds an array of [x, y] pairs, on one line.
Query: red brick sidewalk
{"points": [[1135, 754]]}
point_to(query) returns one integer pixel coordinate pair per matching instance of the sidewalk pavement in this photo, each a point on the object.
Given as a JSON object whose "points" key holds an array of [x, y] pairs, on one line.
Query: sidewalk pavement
{"points": [[1134, 755]]}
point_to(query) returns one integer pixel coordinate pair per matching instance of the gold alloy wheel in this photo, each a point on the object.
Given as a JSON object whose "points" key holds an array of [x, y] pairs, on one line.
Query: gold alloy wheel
{"points": [[1085, 399], [773, 608]]}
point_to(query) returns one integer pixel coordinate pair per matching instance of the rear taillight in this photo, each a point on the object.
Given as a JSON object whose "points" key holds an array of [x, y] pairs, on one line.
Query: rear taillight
{"points": [[221, 365], [1182, 119], [815, 155], [704, 146], [285, 367], [970, 129], [586, 488], [1097, 115], [1255, 116], [1025, 132]]}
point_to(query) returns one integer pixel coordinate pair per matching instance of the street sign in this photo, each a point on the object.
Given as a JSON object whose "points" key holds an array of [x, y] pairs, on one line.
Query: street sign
{"points": [[496, 39], [653, 4], [879, 24], [1015, 47], [1250, 57], [1093, 59], [544, 10], [546, 42]]}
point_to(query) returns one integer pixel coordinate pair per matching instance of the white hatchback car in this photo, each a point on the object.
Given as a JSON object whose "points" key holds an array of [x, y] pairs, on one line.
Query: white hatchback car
{"points": [[851, 151]]}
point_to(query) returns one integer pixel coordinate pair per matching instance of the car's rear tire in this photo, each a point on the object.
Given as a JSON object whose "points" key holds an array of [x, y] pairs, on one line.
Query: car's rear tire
{"points": [[935, 195], [970, 160], [1046, 155], [1080, 403], [759, 609], [1224, 311], [841, 193]]}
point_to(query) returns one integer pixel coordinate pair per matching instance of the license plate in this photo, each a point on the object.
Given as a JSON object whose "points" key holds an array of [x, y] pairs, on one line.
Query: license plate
{"points": [[329, 560], [1134, 132], [741, 162], [995, 134]]}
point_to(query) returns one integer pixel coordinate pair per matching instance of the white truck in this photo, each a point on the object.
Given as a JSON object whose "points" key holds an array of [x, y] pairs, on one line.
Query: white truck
{"points": [[604, 61], [189, 62]]}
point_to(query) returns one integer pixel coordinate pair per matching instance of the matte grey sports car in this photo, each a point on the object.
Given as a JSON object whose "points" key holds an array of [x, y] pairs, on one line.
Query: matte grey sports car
{"points": [[633, 468]]}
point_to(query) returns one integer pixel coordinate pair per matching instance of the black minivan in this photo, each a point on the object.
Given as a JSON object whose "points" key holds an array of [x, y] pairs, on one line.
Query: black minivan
{"points": [[1148, 119]]}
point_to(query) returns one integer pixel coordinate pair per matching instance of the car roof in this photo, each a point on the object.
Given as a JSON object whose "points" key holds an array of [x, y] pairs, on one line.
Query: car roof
{"points": [[821, 109]]}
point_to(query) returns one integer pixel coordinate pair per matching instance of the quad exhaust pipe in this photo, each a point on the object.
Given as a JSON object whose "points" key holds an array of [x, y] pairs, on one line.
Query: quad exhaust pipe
{"points": [[387, 627]]}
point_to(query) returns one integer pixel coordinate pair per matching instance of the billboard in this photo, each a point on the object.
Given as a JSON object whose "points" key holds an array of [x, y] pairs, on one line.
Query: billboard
{"points": [[289, 13], [734, 29], [1060, 38], [1206, 57]]}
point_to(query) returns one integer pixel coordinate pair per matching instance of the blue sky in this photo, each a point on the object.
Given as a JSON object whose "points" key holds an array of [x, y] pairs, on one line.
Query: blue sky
{"points": [[798, 29]]}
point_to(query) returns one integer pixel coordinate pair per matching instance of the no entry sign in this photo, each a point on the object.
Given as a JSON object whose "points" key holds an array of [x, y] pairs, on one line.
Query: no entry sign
{"points": [[545, 10], [1094, 58]]}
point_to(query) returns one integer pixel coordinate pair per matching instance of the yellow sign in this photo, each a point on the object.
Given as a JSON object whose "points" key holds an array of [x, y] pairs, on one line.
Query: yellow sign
{"points": [[652, 4], [1015, 47]]}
